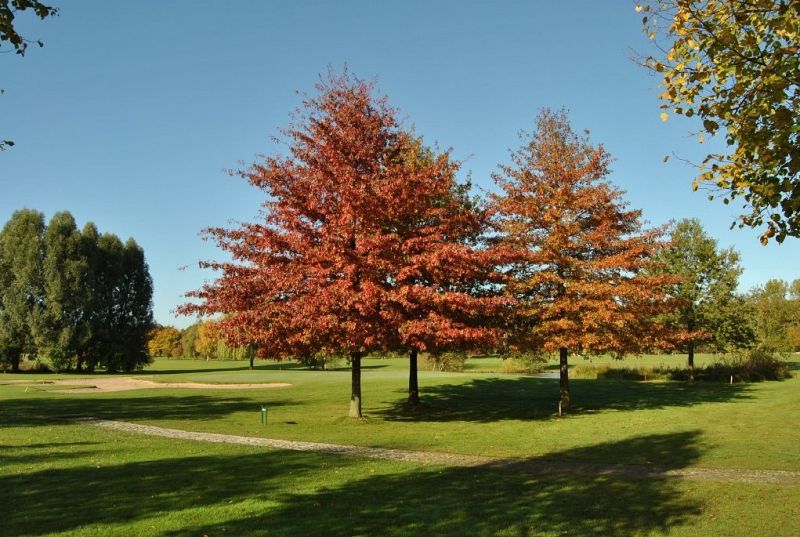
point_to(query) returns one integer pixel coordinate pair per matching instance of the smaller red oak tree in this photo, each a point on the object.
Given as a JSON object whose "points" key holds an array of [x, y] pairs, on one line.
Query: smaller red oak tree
{"points": [[446, 282], [581, 274]]}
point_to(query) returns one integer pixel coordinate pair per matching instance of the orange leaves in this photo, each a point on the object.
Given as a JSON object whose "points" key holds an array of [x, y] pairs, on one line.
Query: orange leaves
{"points": [[581, 270]]}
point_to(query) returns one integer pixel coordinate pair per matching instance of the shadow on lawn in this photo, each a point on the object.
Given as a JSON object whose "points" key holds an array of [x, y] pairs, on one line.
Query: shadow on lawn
{"points": [[526, 398], [419, 501], [49, 410]]}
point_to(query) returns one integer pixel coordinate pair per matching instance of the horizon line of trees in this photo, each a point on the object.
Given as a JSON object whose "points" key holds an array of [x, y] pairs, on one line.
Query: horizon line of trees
{"points": [[199, 340], [370, 244], [72, 298]]}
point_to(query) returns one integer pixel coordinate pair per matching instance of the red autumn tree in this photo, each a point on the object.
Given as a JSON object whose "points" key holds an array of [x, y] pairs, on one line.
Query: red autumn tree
{"points": [[445, 279], [581, 272], [367, 242]]}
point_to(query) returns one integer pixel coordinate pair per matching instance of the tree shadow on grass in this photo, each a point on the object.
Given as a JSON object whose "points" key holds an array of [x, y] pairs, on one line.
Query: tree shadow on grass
{"points": [[530, 398], [519, 499], [48, 410]]}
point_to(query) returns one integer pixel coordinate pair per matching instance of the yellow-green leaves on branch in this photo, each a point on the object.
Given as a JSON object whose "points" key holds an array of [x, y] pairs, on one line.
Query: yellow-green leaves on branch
{"points": [[736, 65]]}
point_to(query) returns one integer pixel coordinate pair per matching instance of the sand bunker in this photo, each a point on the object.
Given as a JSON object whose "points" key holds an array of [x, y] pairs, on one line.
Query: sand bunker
{"points": [[121, 384]]}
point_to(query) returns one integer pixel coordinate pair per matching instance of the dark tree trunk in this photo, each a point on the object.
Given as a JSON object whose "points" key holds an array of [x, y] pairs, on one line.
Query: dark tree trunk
{"points": [[15, 357], [413, 380], [691, 361], [355, 397], [79, 364], [251, 362], [563, 378]]}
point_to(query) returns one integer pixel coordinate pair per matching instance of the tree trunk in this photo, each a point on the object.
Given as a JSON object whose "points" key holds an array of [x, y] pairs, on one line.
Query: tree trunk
{"points": [[563, 379], [251, 362], [691, 360], [79, 364], [413, 380], [15, 357], [355, 397]]}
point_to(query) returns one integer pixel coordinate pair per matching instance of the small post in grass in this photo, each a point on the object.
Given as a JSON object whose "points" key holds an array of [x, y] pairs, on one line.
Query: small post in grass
{"points": [[263, 414], [559, 409], [731, 380]]}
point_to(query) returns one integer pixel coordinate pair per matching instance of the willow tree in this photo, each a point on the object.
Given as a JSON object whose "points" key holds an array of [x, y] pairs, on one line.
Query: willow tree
{"points": [[582, 253]]}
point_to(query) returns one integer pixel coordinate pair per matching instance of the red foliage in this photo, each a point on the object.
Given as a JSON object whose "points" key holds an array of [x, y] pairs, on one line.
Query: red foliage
{"points": [[368, 242]]}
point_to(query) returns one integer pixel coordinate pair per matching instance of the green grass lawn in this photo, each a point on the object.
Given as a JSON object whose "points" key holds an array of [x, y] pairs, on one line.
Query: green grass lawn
{"points": [[59, 478]]}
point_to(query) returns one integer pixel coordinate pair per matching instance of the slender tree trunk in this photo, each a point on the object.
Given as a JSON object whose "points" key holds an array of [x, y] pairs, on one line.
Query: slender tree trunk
{"points": [[355, 397], [691, 361], [79, 364], [413, 380], [251, 362], [563, 379]]}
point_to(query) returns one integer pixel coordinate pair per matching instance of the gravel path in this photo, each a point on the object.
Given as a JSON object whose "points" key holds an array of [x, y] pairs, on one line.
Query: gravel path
{"points": [[531, 466]]}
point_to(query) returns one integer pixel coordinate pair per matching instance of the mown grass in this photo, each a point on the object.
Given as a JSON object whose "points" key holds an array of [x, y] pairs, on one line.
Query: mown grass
{"points": [[79, 480], [61, 478], [493, 415]]}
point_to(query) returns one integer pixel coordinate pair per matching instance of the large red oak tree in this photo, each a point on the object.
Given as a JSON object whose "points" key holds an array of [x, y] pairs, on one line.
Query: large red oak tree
{"points": [[581, 273], [367, 243]]}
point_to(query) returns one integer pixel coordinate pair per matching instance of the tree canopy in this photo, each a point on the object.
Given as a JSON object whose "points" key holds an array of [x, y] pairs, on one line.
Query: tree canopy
{"points": [[580, 274], [709, 310], [72, 297], [735, 64]]}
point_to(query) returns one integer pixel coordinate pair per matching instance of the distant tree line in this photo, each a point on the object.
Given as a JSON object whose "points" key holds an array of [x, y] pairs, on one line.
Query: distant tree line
{"points": [[72, 298], [200, 340]]}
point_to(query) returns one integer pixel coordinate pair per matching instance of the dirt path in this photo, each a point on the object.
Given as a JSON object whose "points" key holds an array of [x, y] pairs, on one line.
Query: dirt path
{"points": [[531, 466], [121, 384]]}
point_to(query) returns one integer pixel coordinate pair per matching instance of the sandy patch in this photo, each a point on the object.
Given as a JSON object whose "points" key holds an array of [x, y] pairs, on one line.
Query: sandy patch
{"points": [[121, 384]]}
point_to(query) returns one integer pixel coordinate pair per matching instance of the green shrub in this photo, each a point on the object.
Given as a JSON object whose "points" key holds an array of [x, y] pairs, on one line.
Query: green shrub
{"points": [[636, 373], [446, 361], [36, 365], [754, 365], [527, 363], [319, 362]]}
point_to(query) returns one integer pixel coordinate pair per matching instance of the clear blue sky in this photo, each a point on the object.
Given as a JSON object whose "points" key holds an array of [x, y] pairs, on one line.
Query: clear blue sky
{"points": [[132, 111]]}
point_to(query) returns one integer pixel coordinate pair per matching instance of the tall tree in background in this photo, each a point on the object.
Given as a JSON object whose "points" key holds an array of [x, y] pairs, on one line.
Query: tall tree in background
{"points": [[129, 317], [21, 285], [581, 275], [66, 291], [736, 65], [189, 340], [72, 297], [709, 310], [9, 9], [163, 341], [777, 314], [206, 342]]}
